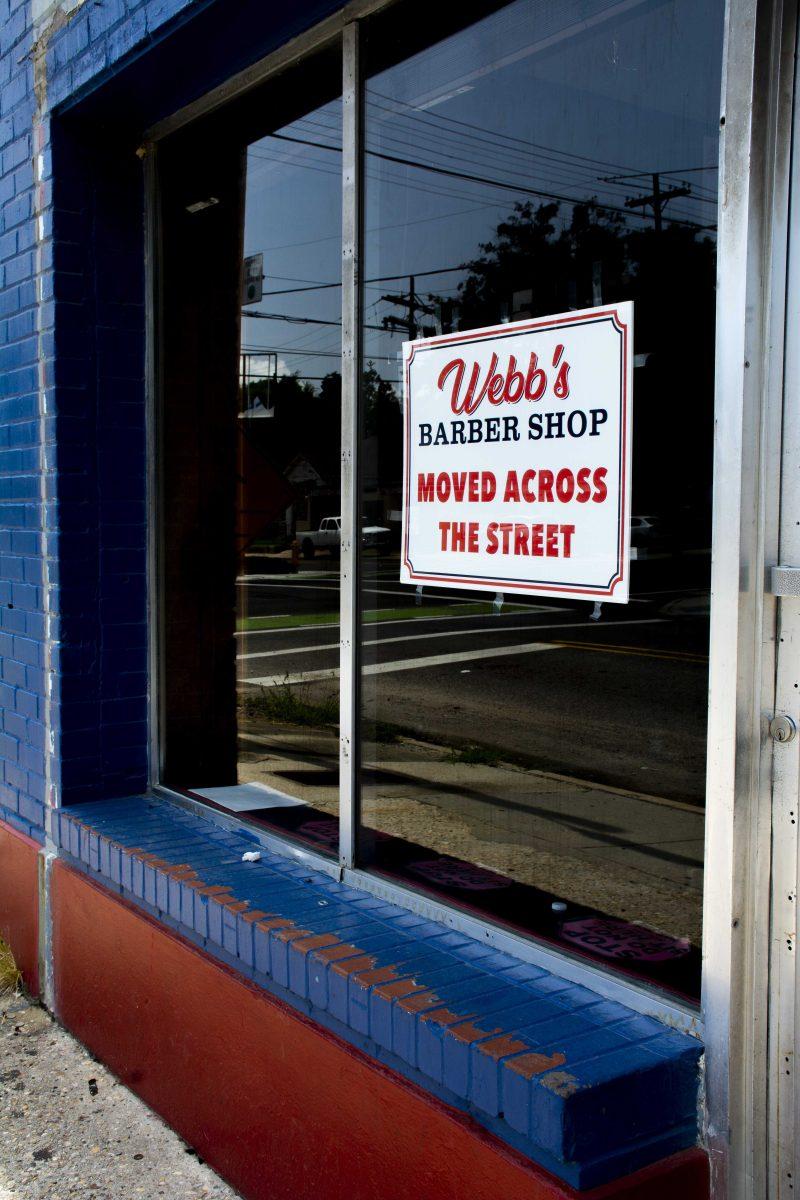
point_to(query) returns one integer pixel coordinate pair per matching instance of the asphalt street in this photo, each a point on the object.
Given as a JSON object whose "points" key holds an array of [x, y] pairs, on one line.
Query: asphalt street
{"points": [[619, 701]]}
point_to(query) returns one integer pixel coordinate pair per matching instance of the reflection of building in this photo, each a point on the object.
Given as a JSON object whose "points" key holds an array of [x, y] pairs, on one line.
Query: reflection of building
{"points": [[319, 499], [428, 933]]}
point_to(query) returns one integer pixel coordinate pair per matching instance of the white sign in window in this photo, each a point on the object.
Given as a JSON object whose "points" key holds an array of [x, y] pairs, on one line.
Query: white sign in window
{"points": [[517, 457]]}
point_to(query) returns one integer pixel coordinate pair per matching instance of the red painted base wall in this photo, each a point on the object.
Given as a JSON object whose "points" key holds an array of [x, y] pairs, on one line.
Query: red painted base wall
{"points": [[278, 1106], [19, 902]]}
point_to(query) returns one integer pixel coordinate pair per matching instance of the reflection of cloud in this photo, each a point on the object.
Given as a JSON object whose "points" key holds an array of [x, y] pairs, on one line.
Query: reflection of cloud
{"points": [[263, 366]]}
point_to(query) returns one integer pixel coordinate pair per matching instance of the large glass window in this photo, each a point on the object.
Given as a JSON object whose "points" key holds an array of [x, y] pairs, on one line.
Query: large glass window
{"points": [[544, 159], [519, 160]]}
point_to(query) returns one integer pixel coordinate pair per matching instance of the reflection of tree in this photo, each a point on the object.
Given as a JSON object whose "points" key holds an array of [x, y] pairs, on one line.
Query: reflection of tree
{"points": [[383, 430], [594, 258], [306, 422], [528, 254], [379, 399], [550, 265]]}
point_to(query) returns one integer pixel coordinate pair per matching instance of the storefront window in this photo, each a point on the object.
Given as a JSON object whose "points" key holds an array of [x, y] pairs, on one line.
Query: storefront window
{"points": [[542, 160], [535, 760]]}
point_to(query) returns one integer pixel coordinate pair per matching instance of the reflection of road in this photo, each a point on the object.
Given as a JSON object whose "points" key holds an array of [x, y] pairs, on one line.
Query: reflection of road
{"points": [[620, 701], [561, 700]]}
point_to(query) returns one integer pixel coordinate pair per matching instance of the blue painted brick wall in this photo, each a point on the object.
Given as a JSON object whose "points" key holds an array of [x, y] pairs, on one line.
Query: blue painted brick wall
{"points": [[73, 682], [22, 512]]}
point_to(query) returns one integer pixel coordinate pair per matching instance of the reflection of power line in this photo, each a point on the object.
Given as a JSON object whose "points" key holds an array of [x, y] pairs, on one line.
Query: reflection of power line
{"points": [[520, 189], [455, 141], [296, 353], [495, 135], [385, 179], [294, 278], [311, 336], [548, 169], [436, 123], [435, 127], [544, 157], [529, 163], [259, 316], [377, 279], [495, 138]]}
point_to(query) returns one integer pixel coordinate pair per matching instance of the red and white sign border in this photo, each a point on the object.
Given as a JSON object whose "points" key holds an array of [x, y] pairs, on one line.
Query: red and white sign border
{"points": [[559, 321]]}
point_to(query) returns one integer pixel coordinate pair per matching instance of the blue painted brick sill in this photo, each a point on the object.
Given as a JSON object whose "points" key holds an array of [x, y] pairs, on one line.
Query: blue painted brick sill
{"points": [[584, 1086]]}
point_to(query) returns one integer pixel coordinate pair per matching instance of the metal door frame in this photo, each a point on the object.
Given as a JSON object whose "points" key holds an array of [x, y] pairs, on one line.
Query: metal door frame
{"points": [[755, 153], [783, 1090]]}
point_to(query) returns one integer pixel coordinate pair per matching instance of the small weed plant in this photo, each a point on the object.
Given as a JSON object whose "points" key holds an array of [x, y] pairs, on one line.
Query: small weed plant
{"points": [[10, 977], [289, 704], [475, 756]]}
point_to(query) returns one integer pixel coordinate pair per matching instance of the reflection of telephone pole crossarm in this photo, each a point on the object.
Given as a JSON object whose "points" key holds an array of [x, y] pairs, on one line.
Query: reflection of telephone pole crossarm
{"points": [[410, 301], [658, 199]]}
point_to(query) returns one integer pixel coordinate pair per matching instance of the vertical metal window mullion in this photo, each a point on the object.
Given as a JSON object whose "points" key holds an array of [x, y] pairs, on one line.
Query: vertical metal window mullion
{"points": [[350, 563], [155, 526]]}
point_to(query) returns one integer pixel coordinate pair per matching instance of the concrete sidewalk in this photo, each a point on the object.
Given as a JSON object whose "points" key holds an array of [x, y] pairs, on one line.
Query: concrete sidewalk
{"points": [[69, 1128]]}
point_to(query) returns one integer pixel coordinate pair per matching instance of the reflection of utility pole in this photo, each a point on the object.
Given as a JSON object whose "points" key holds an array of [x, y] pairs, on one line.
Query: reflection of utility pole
{"points": [[658, 198], [413, 304]]}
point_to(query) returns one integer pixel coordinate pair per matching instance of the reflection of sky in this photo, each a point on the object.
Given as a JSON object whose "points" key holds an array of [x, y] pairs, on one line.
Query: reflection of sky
{"points": [[293, 217], [542, 100]]}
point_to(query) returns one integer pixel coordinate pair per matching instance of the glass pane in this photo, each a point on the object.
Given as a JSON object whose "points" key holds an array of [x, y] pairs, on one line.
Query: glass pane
{"points": [[288, 502], [545, 159]]}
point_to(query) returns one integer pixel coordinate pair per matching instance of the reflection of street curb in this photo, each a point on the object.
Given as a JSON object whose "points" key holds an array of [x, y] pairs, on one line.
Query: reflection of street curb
{"points": [[509, 764], [405, 734]]}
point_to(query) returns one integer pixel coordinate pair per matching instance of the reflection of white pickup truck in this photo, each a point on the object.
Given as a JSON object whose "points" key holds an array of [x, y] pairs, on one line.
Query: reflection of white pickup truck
{"points": [[329, 536]]}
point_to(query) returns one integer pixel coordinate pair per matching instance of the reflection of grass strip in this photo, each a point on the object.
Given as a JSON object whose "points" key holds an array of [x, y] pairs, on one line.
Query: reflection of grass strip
{"points": [[253, 624]]}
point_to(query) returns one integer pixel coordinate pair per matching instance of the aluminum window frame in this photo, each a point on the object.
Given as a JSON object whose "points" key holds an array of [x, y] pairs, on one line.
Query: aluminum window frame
{"points": [[755, 165], [757, 33]]}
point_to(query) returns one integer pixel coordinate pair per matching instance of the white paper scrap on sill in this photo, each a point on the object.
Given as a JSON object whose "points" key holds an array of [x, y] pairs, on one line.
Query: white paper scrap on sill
{"points": [[247, 797]]}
